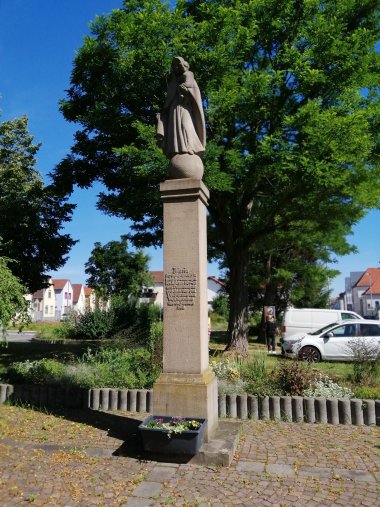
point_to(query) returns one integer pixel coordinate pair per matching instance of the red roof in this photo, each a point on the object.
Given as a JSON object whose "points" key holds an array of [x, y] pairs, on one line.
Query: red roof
{"points": [[76, 291], [216, 280], [158, 276], [59, 284], [88, 291], [370, 279]]}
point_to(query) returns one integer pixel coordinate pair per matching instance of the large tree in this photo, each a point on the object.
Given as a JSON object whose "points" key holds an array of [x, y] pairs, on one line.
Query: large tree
{"points": [[13, 305], [291, 104], [114, 271], [31, 214]]}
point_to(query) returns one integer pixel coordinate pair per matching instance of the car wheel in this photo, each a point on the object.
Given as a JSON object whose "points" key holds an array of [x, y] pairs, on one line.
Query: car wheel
{"points": [[310, 354]]}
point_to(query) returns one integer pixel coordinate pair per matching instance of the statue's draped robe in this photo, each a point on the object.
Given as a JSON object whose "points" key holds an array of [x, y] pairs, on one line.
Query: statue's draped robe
{"points": [[181, 124]]}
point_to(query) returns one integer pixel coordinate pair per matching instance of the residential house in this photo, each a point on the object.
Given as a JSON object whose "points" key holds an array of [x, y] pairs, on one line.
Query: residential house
{"points": [[350, 294], [155, 293], [90, 299], [43, 304], [215, 287], [79, 298], [63, 296], [366, 294]]}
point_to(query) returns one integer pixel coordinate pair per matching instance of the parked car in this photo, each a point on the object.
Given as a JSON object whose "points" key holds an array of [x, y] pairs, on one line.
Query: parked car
{"points": [[305, 320], [336, 342]]}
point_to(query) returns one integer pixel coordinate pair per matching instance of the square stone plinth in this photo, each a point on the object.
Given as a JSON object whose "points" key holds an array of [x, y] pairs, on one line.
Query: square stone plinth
{"points": [[188, 395]]}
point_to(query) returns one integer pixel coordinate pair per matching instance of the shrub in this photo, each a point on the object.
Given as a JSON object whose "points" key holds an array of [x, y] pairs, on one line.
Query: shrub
{"points": [[324, 387], [221, 305], [226, 369], [258, 378], [44, 371], [366, 365], [292, 378], [94, 324], [367, 392]]}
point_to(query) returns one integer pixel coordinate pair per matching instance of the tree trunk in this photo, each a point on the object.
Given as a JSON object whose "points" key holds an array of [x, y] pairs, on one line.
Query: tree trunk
{"points": [[238, 316]]}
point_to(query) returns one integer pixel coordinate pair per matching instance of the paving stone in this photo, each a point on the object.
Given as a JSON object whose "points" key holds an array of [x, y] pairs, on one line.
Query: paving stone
{"points": [[316, 471], [148, 489], [250, 466], [280, 469], [138, 502], [161, 473], [355, 475]]}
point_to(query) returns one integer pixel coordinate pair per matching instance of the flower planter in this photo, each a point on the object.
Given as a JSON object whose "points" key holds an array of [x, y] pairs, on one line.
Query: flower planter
{"points": [[164, 441]]}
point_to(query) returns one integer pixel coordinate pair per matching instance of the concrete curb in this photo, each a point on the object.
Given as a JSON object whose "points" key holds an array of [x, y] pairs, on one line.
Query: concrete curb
{"points": [[234, 406]]}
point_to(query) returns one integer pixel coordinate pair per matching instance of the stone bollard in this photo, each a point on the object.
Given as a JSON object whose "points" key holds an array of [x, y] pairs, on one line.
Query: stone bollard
{"points": [[264, 412], [44, 396], [369, 410], [297, 408], [321, 410], [36, 394], [253, 407], [377, 411], [104, 399], [10, 392], [332, 410], [133, 400], [275, 408], [3, 393], [123, 400], [149, 402], [309, 410], [286, 408], [95, 399], [357, 412], [344, 408], [141, 400], [231, 405], [85, 397], [222, 405], [114, 399], [242, 408]]}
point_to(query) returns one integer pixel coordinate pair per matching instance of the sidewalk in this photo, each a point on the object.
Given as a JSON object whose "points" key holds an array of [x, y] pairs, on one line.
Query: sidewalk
{"points": [[85, 458]]}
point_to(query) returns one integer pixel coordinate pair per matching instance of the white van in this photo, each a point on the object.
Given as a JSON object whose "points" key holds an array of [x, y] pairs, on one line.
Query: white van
{"points": [[298, 321]]}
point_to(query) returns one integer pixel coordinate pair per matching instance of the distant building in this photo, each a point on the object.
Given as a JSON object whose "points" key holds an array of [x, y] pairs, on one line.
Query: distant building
{"points": [[362, 293], [43, 304], [79, 298]]}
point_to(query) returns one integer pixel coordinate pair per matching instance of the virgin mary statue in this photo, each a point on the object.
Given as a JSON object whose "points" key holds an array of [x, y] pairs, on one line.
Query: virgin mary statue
{"points": [[181, 124]]}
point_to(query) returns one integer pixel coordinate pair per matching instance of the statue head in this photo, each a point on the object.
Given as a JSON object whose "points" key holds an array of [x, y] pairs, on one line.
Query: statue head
{"points": [[179, 65]]}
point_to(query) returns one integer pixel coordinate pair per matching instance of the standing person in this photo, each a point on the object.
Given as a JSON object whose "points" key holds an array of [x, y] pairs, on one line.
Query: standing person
{"points": [[270, 332]]}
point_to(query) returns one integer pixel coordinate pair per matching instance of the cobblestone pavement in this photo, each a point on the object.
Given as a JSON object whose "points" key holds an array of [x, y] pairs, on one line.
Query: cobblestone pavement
{"points": [[89, 458]]}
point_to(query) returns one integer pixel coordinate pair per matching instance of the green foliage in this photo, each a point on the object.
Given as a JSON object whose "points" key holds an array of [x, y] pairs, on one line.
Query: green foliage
{"points": [[294, 377], [43, 371], [13, 306], [93, 324], [220, 305], [108, 367], [290, 130], [113, 271], [325, 387], [367, 392], [259, 378], [31, 214]]}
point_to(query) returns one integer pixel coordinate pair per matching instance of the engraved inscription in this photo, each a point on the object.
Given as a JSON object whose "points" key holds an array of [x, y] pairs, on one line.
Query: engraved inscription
{"points": [[181, 288]]}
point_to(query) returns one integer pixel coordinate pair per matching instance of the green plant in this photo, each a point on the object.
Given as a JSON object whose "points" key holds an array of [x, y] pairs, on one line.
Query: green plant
{"points": [[326, 388], [258, 378], [292, 378], [367, 392], [174, 425], [366, 365]]}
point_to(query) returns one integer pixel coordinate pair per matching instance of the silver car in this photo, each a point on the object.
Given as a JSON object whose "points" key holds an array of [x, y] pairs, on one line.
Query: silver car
{"points": [[343, 341]]}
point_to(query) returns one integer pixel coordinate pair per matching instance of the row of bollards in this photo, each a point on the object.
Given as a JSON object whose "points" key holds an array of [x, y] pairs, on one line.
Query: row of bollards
{"points": [[236, 406], [300, 409]]}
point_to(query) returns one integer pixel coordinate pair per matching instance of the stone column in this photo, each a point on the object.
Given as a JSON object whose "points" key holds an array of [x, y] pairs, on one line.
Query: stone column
{"points": [[187, 387]]}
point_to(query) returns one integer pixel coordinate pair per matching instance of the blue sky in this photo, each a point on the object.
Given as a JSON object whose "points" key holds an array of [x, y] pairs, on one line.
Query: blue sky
{"points": [[38, 40]]}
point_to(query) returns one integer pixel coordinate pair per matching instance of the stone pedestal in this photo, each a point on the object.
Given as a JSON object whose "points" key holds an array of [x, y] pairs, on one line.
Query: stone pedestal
{"points": [[187, 387]]}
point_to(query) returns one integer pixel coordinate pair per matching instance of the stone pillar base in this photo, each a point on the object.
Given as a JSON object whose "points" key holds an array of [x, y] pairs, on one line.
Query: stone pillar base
{"points": [[188, 395]]}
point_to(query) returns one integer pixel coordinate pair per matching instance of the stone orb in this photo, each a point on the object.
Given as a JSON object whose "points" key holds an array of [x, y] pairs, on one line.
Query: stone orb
{"points": [[184, 165]]}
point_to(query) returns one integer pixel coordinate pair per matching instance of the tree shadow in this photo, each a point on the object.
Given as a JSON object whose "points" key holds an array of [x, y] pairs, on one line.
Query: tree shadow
{"points": [[120, 427]]}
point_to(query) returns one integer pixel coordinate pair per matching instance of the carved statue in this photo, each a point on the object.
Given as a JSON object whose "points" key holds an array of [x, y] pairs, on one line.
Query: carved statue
{"points": [[181, 130]]}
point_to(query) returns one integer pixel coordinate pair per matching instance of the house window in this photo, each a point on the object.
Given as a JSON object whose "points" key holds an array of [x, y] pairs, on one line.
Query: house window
{"points": [[49, 294], [368, 306], [377, 304], [65, 295], [46, 309]]}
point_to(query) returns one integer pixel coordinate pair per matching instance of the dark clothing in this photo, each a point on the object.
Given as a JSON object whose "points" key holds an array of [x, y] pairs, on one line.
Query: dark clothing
{"points": [[270, 333]]}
